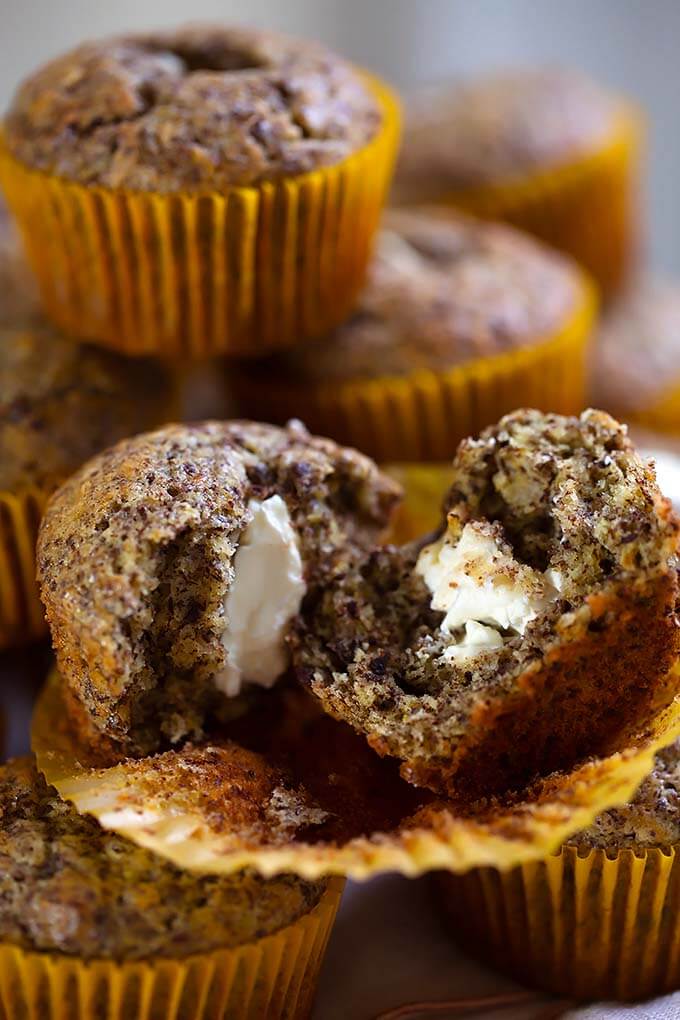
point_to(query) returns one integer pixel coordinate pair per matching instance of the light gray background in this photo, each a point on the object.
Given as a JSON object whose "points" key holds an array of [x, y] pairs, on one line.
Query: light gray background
{"points": [[633, 44]]}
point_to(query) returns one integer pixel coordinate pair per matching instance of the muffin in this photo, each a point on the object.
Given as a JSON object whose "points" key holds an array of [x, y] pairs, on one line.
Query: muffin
{"points": [[535, 629], [545, 149], [634, 366], [60, 404], [460, 322], [89, 920], [222, 194], [599, 918], [204, 541]]}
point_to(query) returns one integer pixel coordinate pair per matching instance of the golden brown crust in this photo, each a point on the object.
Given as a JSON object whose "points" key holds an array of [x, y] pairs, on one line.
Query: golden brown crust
{"points": [[204, 107]]}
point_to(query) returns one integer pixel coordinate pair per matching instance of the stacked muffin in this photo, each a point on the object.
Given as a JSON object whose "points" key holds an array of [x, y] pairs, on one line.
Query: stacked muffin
{"points": [[217, 191]]}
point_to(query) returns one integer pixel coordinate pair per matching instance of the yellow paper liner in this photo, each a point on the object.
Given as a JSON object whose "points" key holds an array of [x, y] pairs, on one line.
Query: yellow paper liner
{"points": [[274, 978], [241, 271], [376, 822], [658, 415], [587, 208], [22, 617], [582, 926], [423, 417]]}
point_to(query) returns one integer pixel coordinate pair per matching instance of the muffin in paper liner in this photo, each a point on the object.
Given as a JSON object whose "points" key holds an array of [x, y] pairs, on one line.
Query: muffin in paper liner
{"points": [[21, 613], [587, 926], [424, 416], [273, 977], [287, 788], [586, 207], [241, 271]]}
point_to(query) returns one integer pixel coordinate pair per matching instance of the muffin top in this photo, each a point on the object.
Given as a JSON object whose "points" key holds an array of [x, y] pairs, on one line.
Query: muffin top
{"points": [[500, 127], [202, 107], [203, 540], [651, 819], [637, 350], [18, 293], [61, 402], [69, 886], [442, 289]]}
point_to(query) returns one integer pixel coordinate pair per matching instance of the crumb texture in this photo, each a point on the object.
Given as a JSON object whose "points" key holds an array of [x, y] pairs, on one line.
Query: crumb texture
{"points": [[442, 290], [196, 108], [500, 128], [560, 629], [158, 519], [69, 886]]}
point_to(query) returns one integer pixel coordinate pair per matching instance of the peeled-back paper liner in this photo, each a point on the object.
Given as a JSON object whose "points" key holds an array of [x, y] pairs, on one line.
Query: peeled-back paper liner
{"points": [[586, 926], [424, 416], [22, 617], [242, 271], [587, 208], [274, 977], [287, 788]]}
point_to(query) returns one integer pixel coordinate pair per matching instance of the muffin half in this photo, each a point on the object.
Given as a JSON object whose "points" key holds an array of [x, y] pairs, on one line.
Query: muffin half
{"points": [[222, 195], [460, 322], [91, 923], [598, 919], [202, 542], [538, 625], [545, 149]]}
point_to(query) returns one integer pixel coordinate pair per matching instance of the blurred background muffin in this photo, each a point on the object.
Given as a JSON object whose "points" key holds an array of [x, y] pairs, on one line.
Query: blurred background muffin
{"points": [[460, 321], [635, 364], [547, 150]]}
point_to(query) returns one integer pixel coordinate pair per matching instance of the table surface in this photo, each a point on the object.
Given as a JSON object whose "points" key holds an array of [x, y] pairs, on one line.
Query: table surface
{"points": [[389, 946]]}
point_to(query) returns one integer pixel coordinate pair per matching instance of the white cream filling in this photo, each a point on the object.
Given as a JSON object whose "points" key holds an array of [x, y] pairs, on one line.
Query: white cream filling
{"points": [[481, 589], [266, 593]]}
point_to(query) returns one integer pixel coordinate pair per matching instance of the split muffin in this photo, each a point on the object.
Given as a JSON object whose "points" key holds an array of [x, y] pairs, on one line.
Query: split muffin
{"points": [[209, 161], [598, 919], [537, 627], [59, 404], [634, 369], [88, 920], [545, 149], [204, 541], [460, 322]]}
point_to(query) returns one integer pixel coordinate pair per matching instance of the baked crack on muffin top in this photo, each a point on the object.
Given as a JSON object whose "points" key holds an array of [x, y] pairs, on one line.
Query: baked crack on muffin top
{"points": [[536, 627], [442, 290], [202, 107], [69, 886], [172, 565]]}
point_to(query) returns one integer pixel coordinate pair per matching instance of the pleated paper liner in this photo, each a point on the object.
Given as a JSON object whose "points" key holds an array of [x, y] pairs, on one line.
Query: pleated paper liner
{"points": [[587, 208], [273, 978], [424, 416], [586, 927], [661, 414], [288, 789], [421, 510], [21, 614], [243, 271]]}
